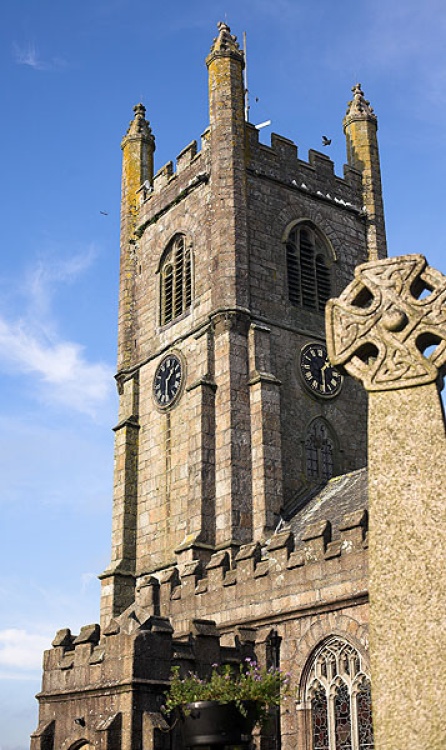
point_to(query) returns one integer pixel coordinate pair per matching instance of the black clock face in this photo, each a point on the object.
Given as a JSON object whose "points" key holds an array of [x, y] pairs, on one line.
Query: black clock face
{"points": [[319, 375], [167, 381]]}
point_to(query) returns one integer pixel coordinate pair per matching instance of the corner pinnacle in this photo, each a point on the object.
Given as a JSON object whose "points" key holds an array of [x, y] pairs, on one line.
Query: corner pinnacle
{"points": [[359, 108], [139, 125], [225, 41]]}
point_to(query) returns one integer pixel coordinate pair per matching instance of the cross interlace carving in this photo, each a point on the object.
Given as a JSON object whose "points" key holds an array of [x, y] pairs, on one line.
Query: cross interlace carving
{"points": [[384, 322]]}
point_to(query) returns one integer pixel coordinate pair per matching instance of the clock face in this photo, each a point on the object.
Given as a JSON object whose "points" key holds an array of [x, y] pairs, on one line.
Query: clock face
{"points": [[318, 374], [167, 381]]}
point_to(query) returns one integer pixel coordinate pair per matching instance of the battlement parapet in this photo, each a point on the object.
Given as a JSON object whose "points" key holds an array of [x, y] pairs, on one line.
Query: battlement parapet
{"points": [[277, 569], [88, 634], [280, 163], [90, 699], [168, 604], [171, 186], [142, 647]]}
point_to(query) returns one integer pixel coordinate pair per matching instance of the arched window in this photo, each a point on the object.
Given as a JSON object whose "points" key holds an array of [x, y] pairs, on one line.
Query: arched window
{"points": [[176, 280], [338, 691], [308, 272], [319, 451]]}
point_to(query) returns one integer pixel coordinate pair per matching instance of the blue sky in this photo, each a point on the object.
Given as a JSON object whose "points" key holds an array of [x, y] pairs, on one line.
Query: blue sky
{"points": [[71, 73]]}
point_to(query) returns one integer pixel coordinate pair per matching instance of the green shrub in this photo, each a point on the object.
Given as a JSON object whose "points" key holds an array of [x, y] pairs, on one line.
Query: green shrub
{"points": [[252, 684]]}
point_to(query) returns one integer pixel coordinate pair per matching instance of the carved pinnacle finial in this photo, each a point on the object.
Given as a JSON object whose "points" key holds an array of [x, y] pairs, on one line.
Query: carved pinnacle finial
{"points": [[359, 107], [225, 41], [139, 125], [139, 110], [380, 326]]}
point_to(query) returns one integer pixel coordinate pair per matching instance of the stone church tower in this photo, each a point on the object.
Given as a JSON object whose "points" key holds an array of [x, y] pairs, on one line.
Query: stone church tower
{"points": [[239, 521]]}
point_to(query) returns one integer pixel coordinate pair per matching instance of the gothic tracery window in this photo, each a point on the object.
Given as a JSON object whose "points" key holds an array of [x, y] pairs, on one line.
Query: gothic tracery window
{"points": [[338, 691], [176, 280], [308, 272], [319, 451]]}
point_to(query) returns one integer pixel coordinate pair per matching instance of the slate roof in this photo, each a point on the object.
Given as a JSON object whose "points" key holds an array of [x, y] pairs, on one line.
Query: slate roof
{"points": [[342, 495]]}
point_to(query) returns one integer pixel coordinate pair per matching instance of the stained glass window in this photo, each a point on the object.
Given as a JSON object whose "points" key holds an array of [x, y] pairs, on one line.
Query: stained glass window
{"points": [[319, 717], [342, 718], [338, 691], [364, 712]]}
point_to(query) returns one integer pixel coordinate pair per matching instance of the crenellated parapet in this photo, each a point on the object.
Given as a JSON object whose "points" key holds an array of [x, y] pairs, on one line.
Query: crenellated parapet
{"points": [[171, 600], [171, 186], [137, 649], [284, 573], [315, 178], [95, 682], [278, 163]]}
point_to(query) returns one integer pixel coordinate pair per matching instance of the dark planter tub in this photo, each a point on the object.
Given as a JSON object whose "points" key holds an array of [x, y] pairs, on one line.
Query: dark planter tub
{"points": [[212, 723]]}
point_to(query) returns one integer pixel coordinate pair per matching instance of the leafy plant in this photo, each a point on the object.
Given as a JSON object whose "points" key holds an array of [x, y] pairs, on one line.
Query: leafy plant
{"points": [[252, 687]]}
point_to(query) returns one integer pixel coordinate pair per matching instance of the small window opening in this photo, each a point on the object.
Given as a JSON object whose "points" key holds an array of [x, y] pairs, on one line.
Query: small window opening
{"points": [[176, 280], [309, 282], [319, 452]]}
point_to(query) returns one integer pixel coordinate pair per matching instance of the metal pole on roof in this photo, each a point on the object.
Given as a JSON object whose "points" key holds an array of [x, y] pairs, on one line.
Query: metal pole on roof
{"points": [[245, 78]]}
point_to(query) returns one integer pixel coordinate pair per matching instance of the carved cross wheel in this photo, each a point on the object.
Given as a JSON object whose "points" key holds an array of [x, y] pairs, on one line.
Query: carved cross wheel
{"points": [[382, 324]]}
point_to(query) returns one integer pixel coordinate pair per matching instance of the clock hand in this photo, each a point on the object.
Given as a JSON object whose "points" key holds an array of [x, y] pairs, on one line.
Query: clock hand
{"points": [[325, 379], [166, 383]]}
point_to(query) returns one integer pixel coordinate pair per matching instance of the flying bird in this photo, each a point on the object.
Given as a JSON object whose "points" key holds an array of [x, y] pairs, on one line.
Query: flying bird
{"points": [[104, 213], [326, 141]]}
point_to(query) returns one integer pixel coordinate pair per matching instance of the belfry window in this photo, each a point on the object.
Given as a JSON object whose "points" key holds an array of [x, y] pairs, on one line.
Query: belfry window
{"points": [[308, 273], [176, 280], [338, 691], [319, 451]]}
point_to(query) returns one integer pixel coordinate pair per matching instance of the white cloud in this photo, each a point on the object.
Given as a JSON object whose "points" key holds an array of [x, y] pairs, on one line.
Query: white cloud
{"points": [[28, 55], [65, 375], [49, 273], [31, 344], [21, 653]]}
